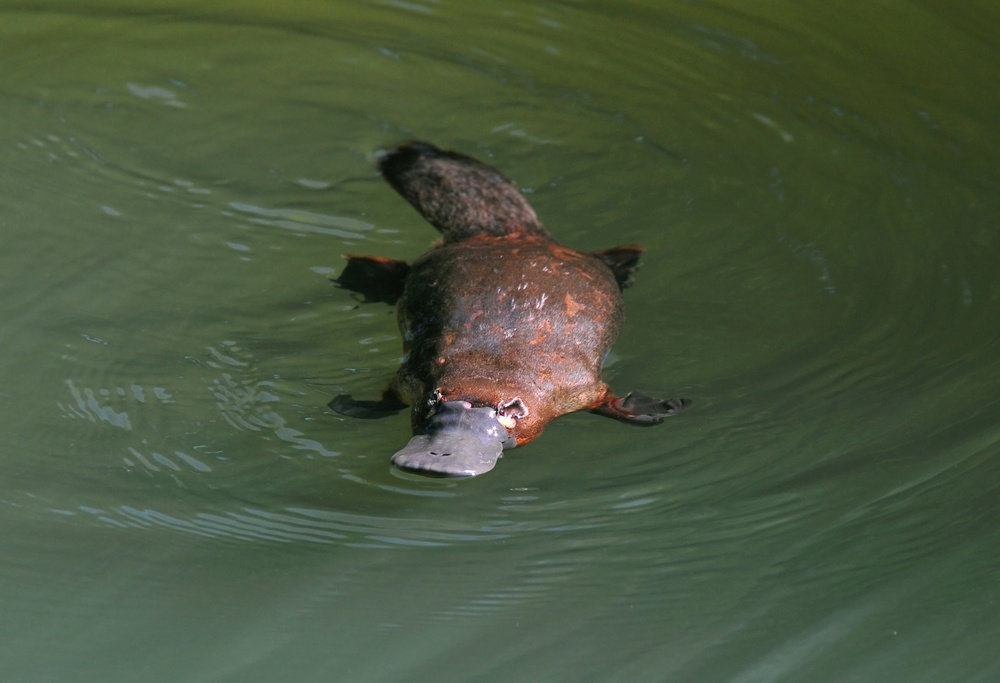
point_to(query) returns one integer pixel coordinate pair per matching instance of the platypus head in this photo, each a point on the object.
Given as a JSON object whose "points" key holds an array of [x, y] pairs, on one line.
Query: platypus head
{"points": [[459, 441]]}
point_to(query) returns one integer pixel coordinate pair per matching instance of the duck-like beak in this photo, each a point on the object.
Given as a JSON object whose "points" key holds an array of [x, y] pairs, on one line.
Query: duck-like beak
{"points": [[460, 441]]}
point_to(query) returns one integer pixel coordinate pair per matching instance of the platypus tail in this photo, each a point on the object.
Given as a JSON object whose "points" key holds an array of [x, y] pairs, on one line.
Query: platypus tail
{"points": [[458, 195]]}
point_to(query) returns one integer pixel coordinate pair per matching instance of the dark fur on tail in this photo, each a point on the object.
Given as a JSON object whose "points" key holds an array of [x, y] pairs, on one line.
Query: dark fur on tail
{"points": [[458, 195]]}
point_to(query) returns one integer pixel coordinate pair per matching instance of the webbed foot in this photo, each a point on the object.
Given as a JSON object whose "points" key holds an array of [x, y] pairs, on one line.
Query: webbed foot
{"points": [[376, 278], [639, 409], [388, 405], [623, 262]]}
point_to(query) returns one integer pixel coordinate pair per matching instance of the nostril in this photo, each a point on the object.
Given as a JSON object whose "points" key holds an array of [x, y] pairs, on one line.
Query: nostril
{"points": [[441, 455]]}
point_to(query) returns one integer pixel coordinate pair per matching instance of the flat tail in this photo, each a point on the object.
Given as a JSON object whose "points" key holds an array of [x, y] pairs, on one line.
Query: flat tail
{"points": [[458, 195]]}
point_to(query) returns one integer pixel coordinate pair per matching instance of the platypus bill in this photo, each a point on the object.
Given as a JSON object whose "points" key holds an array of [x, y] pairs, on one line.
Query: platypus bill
{"points": [[504, 329]]}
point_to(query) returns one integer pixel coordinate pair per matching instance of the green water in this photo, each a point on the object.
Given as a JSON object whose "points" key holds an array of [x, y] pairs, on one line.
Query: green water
{"points": [[816, 185]]}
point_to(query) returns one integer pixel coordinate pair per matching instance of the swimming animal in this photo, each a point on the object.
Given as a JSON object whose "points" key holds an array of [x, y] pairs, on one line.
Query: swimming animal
{"points": [[504, 329]]}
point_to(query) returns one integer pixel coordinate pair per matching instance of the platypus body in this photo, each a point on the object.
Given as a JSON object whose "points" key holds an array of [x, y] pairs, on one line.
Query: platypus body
{"points": [[504, 329]]}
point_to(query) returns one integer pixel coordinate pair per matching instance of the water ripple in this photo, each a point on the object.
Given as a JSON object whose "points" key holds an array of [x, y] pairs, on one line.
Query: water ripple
{"points": [[305, 221], [87, 404], [294, 524]]}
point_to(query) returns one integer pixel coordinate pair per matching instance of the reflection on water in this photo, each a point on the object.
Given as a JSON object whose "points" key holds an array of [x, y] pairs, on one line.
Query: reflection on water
{"points": [[305, 221], [815, 192], [249, 524], [87, 406], [165, 461]]}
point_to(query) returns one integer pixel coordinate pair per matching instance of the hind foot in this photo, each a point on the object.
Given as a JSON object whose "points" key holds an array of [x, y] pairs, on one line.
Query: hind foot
{"points": [[623, 262], [375, 278], [638, 408]]}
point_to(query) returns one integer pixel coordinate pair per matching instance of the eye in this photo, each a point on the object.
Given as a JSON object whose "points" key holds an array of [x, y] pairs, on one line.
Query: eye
{"points": [[514, 408]]}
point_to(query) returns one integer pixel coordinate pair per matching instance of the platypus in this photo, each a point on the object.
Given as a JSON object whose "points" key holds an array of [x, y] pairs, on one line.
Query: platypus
{"points": [[504, 329]]}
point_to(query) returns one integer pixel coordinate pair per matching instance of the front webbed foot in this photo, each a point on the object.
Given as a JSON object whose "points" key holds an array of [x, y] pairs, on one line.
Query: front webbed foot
{"points": [[640, 409], [367, 410]]}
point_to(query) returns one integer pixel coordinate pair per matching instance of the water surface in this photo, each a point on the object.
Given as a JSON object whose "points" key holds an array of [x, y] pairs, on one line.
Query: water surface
{"points": [[816, 189]]}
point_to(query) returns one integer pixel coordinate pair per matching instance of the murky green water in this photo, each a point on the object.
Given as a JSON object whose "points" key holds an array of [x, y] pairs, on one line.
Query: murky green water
{"points": [[817, 188]]}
